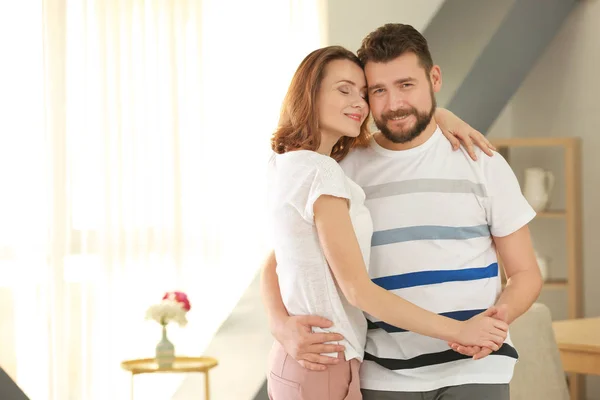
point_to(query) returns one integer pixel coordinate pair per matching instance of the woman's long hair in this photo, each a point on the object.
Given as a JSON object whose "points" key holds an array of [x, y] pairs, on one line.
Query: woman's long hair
{"points": [[299, 120]]}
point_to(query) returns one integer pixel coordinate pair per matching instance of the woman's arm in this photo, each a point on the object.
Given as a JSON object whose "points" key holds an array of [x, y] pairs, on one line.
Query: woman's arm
{"points": [[342, 251], [456, 131]]}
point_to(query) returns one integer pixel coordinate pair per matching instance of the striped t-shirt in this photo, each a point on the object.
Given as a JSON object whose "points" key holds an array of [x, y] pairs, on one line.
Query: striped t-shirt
{"points": [[434, 212]]}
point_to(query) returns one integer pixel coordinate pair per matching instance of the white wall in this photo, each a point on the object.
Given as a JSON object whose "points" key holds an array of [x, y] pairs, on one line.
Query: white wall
{"points": [[351, 20], [561, 97]]}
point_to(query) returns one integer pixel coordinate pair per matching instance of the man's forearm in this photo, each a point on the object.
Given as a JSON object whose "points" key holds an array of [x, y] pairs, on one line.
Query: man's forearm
{"points": [[521, 291], [271, 294]]}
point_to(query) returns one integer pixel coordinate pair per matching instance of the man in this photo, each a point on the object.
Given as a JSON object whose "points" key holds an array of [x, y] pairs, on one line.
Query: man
{"points": [[439, 218]]}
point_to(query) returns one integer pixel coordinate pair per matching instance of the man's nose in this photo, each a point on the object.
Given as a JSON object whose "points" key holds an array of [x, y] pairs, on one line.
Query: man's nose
{"points": [[395, 101]]}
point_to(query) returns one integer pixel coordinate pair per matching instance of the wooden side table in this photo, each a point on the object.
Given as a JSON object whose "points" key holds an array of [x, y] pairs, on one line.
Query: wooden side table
{"points": [[579, 345], [180, 365]]}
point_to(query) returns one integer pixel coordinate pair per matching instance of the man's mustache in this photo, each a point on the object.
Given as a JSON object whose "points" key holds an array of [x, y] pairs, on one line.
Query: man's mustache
{"points": [[399, 113]]}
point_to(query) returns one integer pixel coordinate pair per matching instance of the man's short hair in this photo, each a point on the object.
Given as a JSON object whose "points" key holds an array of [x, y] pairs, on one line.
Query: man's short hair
{"points": [[391, 41]]}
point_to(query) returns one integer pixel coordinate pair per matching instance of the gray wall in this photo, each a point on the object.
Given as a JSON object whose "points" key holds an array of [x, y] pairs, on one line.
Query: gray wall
{"points": [[501, 66], [9, 389], [457, 35]]}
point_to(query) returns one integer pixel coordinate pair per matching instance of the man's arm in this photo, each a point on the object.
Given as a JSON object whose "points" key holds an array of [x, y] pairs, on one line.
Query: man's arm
{"points": [[295, 333], [523, 277], [508, 214], [523, 285], [271, 295]]}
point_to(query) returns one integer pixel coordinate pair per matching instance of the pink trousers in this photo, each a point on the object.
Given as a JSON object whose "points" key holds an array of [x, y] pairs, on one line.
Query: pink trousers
{"points": [[288, 380]]}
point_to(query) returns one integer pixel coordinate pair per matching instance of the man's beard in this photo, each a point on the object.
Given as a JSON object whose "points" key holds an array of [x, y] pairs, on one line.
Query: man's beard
{"points": [[402, 136]]}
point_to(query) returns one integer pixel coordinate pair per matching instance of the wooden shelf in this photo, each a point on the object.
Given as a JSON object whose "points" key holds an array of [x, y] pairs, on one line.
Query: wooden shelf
{"points": [[552, 214], [535, 142], [573, 284]]}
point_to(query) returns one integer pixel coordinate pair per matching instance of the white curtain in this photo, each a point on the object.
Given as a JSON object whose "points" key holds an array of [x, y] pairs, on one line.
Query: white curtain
{"points": [[133, 140]]}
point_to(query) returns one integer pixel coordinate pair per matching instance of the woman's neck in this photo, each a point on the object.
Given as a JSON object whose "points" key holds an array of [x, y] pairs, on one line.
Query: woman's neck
{"points": [[328, 140]]}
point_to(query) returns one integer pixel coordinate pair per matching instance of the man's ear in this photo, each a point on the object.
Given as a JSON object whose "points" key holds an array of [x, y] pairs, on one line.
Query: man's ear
{"points": [[435, 75]]}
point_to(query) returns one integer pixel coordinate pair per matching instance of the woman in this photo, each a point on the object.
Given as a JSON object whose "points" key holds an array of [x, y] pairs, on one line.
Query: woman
{"points": [[322, 231]]}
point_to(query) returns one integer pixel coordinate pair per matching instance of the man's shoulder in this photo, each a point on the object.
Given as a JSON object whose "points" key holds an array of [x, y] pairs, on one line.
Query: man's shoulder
{"points": [[358, 155], [484, 164], [356, 160]]}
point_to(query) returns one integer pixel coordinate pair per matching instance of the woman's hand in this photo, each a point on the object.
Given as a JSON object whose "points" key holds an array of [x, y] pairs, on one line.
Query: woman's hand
{"points": [[483, 330], [458, 131], [478, 352]]}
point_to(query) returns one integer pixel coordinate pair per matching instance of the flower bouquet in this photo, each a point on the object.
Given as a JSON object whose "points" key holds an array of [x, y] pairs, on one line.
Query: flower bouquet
{"points": [[173, 308]]}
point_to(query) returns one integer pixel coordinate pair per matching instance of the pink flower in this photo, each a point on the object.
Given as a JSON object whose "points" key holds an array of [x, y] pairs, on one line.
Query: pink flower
{"points": [[179, 297]]}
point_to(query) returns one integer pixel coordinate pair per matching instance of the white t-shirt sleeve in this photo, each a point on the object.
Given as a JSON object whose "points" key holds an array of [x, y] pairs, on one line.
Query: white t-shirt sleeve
{"points": [[327, 178], [507, 209]]}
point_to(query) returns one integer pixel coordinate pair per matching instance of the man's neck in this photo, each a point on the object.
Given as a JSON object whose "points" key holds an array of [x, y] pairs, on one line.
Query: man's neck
{"points": [[419, 140]]}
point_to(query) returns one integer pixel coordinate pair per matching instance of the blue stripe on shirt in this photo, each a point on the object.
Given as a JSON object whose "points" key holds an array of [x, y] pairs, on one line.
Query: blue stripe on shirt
{"points": [[422, 278]]}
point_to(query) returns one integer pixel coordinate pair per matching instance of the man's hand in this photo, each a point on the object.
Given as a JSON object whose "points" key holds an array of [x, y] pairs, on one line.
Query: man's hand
{"points": [[304, 346], [501, 313]]}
